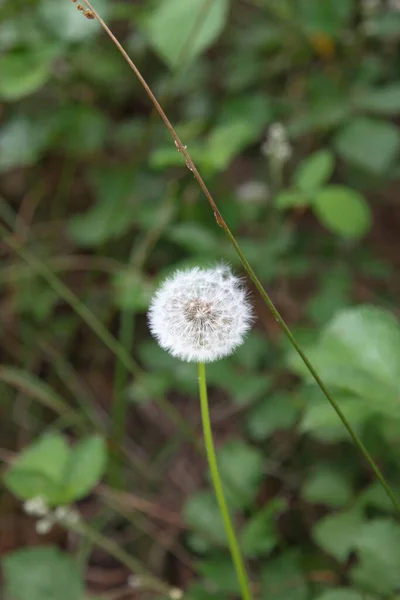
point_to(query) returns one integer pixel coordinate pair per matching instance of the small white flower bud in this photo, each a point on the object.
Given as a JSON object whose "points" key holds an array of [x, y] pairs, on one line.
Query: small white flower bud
{"points": [[43, 526], [36, 507], [66, 515], [134, 581], [175, 594], [200, 315], [277, 143]]}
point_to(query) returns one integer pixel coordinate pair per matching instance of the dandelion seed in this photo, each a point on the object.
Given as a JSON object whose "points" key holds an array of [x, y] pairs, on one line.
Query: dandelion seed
{"points": [[200, 315]]}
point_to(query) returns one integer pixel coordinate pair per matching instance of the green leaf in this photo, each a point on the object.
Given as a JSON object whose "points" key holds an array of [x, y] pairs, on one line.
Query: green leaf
{"points": [[343, 211], [242, 122], [337, 533], [219, 571], [322, 422], [376, 497], [259, 535], [194, 237], [21, 142], [384, 100], [359, 351], [327, 486], [197, 21], [283, 579], [43, 465], [378, 547], [370, 144], [67, 23], [314, 171], [327, 17], [26, 484], [273, 413], [84, 469], [113, 213], [42, 573], [241, 469], [23, 72], [290, 199], [202, 513]]}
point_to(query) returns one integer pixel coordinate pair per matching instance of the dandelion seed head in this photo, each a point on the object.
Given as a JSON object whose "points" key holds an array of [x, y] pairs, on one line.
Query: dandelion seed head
{"points": [[200, 315]]}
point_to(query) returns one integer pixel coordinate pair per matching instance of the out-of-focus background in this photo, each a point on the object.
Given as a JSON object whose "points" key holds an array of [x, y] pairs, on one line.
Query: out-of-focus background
{"points": [[290, 110]]}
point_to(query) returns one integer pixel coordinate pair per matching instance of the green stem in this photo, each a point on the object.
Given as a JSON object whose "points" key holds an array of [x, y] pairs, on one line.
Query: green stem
{"points": [[212, 461]]}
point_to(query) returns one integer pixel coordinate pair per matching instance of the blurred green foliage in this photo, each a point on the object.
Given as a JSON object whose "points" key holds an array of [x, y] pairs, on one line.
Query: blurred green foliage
{"points": [[93, 186]]}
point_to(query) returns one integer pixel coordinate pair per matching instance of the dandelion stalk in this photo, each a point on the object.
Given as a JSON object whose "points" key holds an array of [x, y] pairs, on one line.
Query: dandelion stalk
{"points": [[216, 479], [201, 315]]}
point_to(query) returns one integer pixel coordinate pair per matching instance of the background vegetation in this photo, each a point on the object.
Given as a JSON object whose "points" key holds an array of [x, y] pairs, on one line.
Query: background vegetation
{"points": [[97, 207]]}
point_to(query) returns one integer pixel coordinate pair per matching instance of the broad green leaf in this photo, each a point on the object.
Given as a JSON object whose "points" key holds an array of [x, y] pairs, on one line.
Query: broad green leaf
{"points": [[271, 414], [283, 579], [378, 547], [342, 211], [43, 461], [21, 142], [376, 497], [314, 171], [42, 574], [194, 237], [322, 422], [113, 213], [241, 468], [259, 535], [384, 100], [359, 351], [327, 17], [67, 23], [172, 23], [242, 122], [337, 533], [327, 486], [219, 574], [23, 72], [31, 483], [202, 513], [84, 469], [370, 144], [290, 199]]}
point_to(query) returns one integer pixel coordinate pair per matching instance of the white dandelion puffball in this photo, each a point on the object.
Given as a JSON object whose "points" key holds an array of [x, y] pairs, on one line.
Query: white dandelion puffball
{"points": [[200, 315]]}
